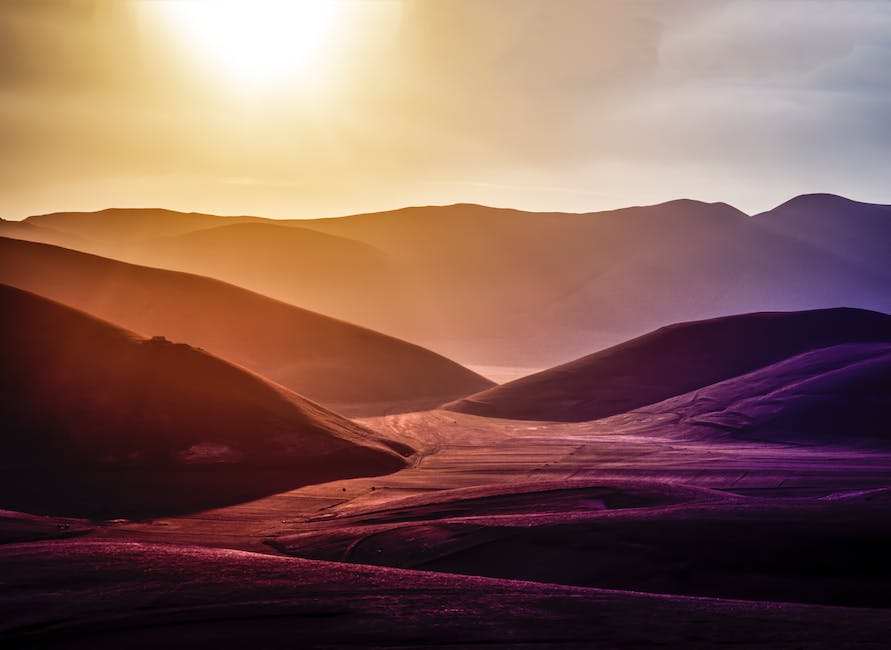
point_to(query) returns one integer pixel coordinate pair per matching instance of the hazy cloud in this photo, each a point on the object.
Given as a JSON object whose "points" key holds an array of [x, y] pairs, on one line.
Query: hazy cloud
{"points": [[529, 103]]}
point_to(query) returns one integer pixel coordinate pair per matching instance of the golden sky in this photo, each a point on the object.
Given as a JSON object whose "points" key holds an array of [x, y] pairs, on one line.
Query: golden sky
{"points": [[302, 108]]}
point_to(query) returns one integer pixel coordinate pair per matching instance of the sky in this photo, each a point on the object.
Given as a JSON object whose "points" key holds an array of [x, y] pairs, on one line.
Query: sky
{"points": [[311, 108]]}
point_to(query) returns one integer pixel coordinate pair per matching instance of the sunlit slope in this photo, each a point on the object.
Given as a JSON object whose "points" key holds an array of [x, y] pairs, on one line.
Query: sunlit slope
{"points": [[98, 420], [325, 359], [671, 361]]}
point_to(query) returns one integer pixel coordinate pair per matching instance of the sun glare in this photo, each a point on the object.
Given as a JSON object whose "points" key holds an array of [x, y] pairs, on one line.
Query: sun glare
{"points": [[256, 43]]}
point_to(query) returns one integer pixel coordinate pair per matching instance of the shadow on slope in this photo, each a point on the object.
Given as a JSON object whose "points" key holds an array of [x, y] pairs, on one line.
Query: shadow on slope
{"points": [[98, 421]]}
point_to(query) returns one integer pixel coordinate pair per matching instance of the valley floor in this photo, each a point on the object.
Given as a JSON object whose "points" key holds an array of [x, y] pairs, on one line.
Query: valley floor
{"points": [[463, 451], [698, 542]]}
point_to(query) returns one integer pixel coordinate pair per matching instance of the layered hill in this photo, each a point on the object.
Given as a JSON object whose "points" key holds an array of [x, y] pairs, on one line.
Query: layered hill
{"points": [[492, 286], [672, 361], [325, 359], [828, 551], [550, 286], [297, 265], [129, 225], [506, 286], [98, 420], [31, 232], [334, 275], [839, 394]]}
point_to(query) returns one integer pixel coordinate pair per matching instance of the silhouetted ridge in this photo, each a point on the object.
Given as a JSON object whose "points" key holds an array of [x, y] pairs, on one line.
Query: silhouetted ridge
{"points": [[857, 232], [822, 201]]}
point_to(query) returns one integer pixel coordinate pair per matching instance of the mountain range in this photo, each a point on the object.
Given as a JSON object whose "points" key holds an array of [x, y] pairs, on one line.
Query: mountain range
{"points": [[497, 287]]}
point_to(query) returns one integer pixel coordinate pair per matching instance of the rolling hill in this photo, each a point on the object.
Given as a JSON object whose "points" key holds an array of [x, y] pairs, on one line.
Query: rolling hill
{"points": [[144, 596], [672, 361], [28, 231], [839, 394], [826, 551], [327, 360], [297, 265], [100, 421]]}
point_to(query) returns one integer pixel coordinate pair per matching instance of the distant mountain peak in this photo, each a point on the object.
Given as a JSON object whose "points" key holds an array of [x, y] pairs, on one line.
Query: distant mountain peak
{"points": [[820, 201]]}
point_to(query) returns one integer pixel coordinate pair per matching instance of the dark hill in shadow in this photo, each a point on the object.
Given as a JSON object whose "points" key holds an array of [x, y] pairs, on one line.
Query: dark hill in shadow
{"points": [[100, 421], [672, 361], [328, 360]]}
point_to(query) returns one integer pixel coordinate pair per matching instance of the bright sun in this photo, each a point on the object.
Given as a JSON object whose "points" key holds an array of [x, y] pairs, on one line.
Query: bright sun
{"points": [[256, 43]]}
